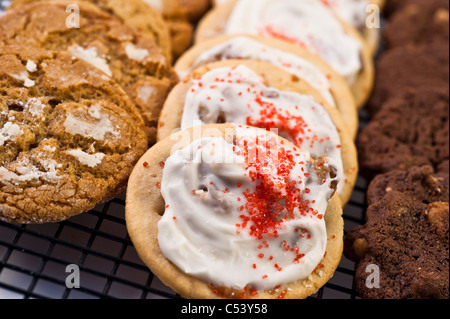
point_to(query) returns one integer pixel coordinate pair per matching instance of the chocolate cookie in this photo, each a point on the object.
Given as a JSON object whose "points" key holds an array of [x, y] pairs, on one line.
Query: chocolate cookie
{"points": [[130, 57], [414, 24], [69, 136], [408, 131], [400, 69], [392, 6], [405, 237]]}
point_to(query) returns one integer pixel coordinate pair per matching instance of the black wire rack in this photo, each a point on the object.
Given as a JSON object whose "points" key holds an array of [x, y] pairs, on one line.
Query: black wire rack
{"points": [[33, 258]]}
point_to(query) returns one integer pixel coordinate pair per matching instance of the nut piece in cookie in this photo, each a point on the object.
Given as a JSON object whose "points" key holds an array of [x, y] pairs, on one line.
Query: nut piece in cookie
{"points": [[69, 136], [406, 236]]}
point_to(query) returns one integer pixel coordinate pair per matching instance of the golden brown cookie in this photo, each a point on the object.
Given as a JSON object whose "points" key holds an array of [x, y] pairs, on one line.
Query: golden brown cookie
{"points": [[176, 18], [303, 116], [294, 59], [360, 80], [147, 214], [195, 9], [130, 57], [135, 13], [69, 136]]}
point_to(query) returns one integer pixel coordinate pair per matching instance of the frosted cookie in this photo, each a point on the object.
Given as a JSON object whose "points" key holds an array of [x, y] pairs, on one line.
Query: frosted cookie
{"points": [[259, 94], [212, 219], [69, 136], [135, 13], [356, 13], [130, 57], [306, 23], [296, 60], [176, 18]]}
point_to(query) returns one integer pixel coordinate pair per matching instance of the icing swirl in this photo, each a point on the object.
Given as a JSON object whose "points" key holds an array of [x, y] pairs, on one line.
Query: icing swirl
{"points": [[239, 220], [239, 95]]}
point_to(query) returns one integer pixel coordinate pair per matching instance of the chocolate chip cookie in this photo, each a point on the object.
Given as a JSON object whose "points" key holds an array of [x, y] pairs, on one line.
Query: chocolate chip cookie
{"points": [[130, 57], [405, 239], [408, 131], [415, 24], [69, 136], [409, 67]]}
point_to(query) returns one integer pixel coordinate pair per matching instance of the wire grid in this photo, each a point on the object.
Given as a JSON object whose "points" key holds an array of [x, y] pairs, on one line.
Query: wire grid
{"points": [[33, 258]]}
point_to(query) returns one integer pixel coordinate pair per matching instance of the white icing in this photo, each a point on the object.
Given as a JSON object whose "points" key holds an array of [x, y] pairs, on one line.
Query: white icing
{"points": [[135, 53], [91, 160], [9, 131], [308, 23], [238, 95], [90, 55], [204, 188], [351, 11], [247, 48]]}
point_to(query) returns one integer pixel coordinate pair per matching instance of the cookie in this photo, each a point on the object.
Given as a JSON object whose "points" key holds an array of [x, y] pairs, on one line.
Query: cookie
{"points": [[294, 59], [133, 59], [410, 67], [405, 237], [135, 13], [415, 24], [336, 42], [195, 9], [408, 131], [259, 94], [393, 6], [69, 136], [228, 248], [176, 18]]}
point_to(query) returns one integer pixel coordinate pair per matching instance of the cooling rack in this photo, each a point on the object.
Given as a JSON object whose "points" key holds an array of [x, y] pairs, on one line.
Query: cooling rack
{"points": [[34, 258]]}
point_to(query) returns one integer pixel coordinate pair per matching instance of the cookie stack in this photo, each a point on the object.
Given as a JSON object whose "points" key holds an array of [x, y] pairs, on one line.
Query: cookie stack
{"points": [[261, 222], [82, 86], [404, 152]]}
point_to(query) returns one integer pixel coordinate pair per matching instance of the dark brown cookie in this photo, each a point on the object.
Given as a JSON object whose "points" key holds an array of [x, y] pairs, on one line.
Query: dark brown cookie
{"points": [[403, 68], [392, 6], [414, 24], [408, 131], [405, 238]]}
